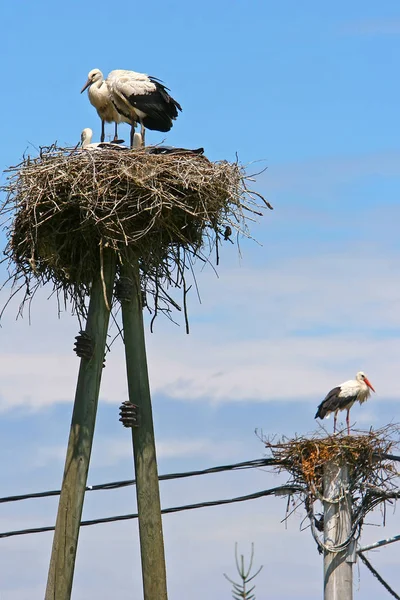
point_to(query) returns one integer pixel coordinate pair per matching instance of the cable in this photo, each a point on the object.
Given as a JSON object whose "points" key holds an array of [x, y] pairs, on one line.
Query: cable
{"points": [[389, 456], [395, 538], [249, 464], [278, 491], [376, 574]]}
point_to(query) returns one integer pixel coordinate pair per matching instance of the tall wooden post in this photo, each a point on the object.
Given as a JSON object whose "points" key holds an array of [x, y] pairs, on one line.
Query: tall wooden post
{"points": [[144, 450], [338, 568], [65, 541]]}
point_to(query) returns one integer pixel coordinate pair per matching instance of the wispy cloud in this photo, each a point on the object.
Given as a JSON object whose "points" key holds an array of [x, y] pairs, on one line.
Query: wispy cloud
{"points": [[111, 451], [294, 329]]}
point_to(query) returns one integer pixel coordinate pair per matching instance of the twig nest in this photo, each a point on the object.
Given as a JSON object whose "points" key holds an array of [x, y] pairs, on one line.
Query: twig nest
{"points": [[68, 205], [305, 457], [372, 475]]}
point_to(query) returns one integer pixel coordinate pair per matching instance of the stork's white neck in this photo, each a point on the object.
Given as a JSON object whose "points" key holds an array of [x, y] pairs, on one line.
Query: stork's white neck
{"points": [[86, 137]]}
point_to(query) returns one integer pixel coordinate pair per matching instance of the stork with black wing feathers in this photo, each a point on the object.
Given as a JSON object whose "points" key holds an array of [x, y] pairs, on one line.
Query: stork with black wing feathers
{"points": [[131, 97], [343, 397]]}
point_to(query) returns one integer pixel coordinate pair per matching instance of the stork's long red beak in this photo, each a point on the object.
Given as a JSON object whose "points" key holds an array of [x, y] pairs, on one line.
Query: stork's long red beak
{"points": [[369, 384]]}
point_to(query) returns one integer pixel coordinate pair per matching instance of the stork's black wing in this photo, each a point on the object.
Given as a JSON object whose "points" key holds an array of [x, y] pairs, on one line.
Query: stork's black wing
{"points": [[329, 404], [172, 150], [158, 106], [155, 108]]}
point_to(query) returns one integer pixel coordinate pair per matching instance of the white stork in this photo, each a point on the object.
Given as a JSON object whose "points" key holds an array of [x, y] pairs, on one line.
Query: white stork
{"points": [[344, 396], [99, 97], [86, 142], [138, 97], [135, 98]]}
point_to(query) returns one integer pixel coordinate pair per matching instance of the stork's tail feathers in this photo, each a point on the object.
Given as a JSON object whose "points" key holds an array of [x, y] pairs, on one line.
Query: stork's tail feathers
{"points": [[159, 122], [321, 412], [160, 114], [173, 105]]}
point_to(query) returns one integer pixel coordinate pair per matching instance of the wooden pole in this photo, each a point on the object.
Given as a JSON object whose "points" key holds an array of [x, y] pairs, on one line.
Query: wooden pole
{"points": [[338, 567], [144, 450], [65, 541]]}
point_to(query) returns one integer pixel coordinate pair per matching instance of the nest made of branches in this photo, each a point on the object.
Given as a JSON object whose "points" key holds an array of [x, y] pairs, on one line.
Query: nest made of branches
{"points": [[365, 455], [65, 206], [372, 475]]}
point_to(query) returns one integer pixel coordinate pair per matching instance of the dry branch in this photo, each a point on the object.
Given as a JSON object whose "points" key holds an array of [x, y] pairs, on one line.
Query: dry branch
{"points": [[65, 206], [373, 476]]}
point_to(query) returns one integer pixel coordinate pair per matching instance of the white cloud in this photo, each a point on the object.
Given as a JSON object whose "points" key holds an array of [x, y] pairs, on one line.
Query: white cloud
{"points": [[111, 451], [199, 447], [293, 368], [288, 331]]}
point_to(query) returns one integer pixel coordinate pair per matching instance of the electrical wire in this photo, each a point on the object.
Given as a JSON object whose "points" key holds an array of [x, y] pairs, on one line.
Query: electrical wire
{"points": [[249, 464], [277, 491], [389, 456], [391, 540], [376, 574]]}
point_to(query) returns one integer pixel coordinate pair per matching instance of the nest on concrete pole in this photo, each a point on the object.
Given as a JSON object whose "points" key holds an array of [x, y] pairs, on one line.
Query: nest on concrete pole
{"points": [[372, 473]]}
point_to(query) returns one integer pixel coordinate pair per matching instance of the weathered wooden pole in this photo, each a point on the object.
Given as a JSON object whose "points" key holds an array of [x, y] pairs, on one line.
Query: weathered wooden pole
{"points": [[144, 450], [338, 567], [65, 541]]}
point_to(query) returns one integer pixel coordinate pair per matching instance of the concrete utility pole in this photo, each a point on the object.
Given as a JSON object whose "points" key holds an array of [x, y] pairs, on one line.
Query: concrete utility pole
{"points": [[65, 541], [338, 566], [144, 449]]}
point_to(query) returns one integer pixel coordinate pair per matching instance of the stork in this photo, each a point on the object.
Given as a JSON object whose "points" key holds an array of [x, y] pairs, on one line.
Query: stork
{"points": [[343, 397], [86, 142], [137, 97], [100, 98], [131, 97]]}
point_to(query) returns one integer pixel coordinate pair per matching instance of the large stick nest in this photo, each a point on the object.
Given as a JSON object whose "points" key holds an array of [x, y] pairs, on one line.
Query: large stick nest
{"points": [[165, 210], [373, 476], [364, 454]]}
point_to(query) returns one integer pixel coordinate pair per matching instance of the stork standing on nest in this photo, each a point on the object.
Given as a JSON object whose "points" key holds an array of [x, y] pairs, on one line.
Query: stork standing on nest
{"points": [[100, 98], [343, 398], [136, 98]]}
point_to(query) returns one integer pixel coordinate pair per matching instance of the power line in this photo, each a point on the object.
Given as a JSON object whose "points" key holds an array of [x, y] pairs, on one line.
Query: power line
{"points": [[376, 574], [391, 540], [277, 491], [389, 456], [249, 464]]}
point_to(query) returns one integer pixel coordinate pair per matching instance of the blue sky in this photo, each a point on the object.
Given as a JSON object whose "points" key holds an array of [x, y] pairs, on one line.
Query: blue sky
{"points": [[310, 90]]}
